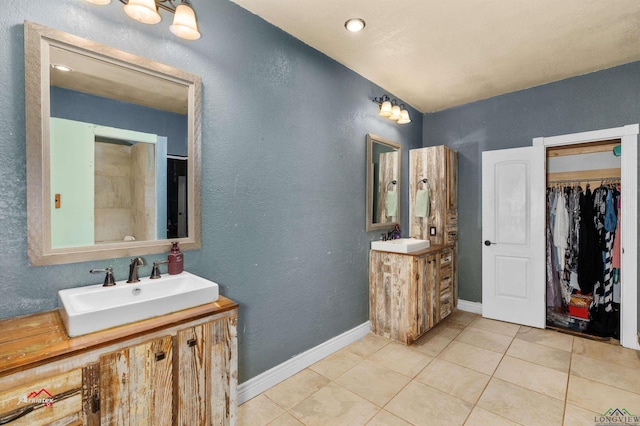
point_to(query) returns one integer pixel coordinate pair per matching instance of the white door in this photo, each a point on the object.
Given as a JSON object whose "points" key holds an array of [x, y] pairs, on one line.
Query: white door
{"points": [[513, 235]]}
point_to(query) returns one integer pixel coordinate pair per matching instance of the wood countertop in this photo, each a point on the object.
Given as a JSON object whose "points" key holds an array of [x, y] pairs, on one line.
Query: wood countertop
{"points": [[31, 340], [435, 248]]}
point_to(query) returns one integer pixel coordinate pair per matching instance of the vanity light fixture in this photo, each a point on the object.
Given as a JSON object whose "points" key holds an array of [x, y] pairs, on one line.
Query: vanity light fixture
{"points": [[146, 11], [355, 25], [390, 109]]}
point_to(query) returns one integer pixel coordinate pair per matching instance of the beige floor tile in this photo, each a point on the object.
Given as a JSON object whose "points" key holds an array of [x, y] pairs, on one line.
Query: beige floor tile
{"points": [[296, 388], [606, 372], [258, 411], [462, 317], [420, 404], [576, 416], [385, 418], [598, 397], [368, 345], [485, 339], [480, 417], [521, 405], [334, 405], [373, 382], [447, 329], [466, 355], [431, 345], [500, 327], [286, 420], [455, 380], [541, 379], [607, 352], [336, 364], [551, 338], [403, 359], [547, 356]]}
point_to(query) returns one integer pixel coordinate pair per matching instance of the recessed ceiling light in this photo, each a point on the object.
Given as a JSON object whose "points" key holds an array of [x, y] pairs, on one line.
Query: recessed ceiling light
{"points": [[63, 68], [354, 25]]}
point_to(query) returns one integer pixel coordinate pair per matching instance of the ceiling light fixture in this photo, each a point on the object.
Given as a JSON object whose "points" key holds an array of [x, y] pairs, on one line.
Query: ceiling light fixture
{"points": [[146, 11], [60, 67], [354, 25], [390, 109]]}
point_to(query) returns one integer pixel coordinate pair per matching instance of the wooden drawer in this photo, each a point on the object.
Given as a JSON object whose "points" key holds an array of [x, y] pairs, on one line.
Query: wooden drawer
{"points": [[446, 303], [451, 237], [44, 401], [452, 217], [446, 259], [445, 284]]}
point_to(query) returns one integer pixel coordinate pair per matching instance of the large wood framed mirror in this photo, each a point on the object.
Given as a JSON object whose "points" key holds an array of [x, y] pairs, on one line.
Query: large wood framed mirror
{"points": [[113, 151], [384, 185]]}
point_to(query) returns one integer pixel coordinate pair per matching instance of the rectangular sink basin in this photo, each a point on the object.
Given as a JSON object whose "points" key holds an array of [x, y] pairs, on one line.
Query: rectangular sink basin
{"points": [[93, 308], [401, 245]]}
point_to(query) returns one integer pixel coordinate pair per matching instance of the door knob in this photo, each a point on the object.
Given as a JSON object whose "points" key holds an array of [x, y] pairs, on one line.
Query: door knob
{"points": [[488, 243]]}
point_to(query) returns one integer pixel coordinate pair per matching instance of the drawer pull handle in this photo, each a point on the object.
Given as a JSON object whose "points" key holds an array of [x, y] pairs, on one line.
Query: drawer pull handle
{"points": [[160, 356], [191, 342], [95, 403]]}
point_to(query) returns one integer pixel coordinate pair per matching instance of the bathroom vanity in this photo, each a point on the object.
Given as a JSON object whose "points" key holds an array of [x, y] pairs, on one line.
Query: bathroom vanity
{"points": [[410, 293], [179, 368]]}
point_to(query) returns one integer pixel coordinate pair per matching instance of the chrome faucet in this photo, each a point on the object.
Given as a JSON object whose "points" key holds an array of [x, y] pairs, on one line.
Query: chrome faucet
{"points": [[133, 269]]}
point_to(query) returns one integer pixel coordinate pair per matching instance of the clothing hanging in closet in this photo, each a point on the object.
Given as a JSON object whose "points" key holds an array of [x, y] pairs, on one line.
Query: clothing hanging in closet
{"points": [[583, 255]]}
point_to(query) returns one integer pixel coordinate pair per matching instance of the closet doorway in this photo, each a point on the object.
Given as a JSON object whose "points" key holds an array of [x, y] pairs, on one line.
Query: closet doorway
{"points": [[514, 287]]}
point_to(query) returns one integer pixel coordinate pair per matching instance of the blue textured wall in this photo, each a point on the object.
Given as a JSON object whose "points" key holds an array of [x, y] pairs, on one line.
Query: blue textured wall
{"points": [[79, 106], [594, 101], [283, 164]]}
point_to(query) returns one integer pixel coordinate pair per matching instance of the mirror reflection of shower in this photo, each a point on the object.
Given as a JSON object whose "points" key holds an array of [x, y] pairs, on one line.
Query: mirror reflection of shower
{"points": [[177, 214]]}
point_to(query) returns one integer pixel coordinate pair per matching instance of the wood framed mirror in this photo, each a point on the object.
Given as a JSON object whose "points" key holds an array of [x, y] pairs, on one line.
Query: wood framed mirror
{"points": [[384, 184], [113, 151]]}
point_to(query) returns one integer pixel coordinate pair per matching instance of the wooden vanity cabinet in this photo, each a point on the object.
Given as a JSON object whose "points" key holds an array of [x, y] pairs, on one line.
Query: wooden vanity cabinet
{"points": [[410, 293], [182, 373]]}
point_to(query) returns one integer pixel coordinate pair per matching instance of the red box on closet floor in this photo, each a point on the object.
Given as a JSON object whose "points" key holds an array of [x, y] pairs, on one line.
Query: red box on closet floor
{"points": [[579, 306]]}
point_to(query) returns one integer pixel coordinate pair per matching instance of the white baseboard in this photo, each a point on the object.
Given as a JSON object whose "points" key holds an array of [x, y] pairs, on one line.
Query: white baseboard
{"points": [[474, 307], [255, 386]]}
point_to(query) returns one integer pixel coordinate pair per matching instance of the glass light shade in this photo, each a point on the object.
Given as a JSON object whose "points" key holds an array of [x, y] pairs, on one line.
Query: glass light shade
{"points": [[98, 1], [184, 23], [385, 109], [354, 25], [144, 11], [395, 113], [404, 117]]}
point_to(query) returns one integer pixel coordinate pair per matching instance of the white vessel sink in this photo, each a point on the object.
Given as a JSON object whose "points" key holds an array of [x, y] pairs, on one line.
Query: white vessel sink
{"points": [[93, 308], [401, 245]]}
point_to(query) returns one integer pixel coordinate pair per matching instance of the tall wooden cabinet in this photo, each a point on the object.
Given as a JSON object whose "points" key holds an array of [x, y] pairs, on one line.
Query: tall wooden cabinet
{"points": [[438, 165], [410, 293]]}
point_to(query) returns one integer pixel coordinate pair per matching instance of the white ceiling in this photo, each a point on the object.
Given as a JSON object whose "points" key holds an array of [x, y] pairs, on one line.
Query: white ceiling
{"points": [[436, 54]]}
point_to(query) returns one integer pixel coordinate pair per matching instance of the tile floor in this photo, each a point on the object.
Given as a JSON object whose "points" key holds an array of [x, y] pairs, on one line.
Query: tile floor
{"points": [[467, 370]]}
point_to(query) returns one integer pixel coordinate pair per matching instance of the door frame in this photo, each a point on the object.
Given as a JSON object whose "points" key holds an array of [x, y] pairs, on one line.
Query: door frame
{"points": [[629, 233]]}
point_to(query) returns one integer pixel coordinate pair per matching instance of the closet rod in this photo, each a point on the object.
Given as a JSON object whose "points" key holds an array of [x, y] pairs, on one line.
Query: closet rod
{"points": [[615, 179]]}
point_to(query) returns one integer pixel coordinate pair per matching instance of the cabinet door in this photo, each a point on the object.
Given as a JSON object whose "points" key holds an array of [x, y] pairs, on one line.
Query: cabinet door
{"points": [[446, 284], [44, 401], [136, 386], [426, 266], [207, 373], [392, 296], [194, 361], [452, 179]]}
